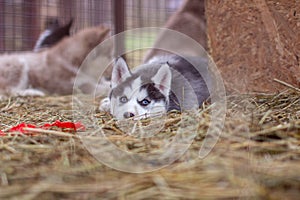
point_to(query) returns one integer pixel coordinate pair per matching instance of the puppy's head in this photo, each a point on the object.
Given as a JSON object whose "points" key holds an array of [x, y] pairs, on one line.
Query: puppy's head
{"points": [[140, 94]]}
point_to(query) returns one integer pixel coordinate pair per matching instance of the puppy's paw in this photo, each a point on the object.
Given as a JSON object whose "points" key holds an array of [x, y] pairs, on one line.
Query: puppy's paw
{"points": [[29, 92], [105, 105]]}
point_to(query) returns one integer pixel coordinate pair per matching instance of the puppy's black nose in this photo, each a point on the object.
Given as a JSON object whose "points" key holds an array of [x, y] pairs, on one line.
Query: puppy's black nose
{"points": [[128, 115]]}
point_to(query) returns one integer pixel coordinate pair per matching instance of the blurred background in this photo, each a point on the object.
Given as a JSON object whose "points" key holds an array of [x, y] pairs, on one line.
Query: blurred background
{"points": [[22, 21]]}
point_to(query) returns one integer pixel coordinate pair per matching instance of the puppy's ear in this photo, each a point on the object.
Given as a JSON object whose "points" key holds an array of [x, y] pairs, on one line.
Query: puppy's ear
{"points": [[119, 73], [163, 78]]}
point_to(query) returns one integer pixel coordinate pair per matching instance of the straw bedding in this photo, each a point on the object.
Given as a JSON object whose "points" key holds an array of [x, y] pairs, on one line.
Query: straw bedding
{"points": [[256, 157]]}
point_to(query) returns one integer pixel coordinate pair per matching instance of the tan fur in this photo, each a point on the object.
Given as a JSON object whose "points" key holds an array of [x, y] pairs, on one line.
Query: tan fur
{"points": [[189, 20], [51, 71]]}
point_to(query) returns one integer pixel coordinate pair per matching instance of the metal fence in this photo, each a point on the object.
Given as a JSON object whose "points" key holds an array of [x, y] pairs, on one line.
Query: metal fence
{"points": [[21, 21]]}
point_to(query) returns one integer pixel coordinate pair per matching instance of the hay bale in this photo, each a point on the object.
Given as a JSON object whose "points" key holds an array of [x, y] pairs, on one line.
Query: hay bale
{"points": [[254, 42]]}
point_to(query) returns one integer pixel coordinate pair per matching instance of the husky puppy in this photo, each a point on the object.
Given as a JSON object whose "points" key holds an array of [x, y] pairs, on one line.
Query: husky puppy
{"points": [[52, 71], [164, 84]]}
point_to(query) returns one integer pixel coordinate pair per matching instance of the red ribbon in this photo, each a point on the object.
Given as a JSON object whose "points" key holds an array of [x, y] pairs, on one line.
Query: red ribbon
{"points": [[20, 127], [67, 126], [2, 133]]}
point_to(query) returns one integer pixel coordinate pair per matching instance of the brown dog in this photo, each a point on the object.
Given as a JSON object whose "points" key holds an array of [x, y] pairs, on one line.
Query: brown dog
{"points": [[189, 20], [51, 71]]}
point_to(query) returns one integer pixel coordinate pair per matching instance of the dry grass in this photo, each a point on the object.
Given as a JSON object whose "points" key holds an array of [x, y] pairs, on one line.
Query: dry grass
{"points": [[256, 157]]}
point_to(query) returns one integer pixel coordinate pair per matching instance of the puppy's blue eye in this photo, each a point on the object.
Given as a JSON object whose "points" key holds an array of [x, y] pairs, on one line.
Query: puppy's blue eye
{"points": [[144, 102], [123, 99]]}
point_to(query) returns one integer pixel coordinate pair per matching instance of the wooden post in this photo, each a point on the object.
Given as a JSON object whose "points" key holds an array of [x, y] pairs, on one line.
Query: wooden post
{"points": [[119, 22], [2, 28], [67, 10]]}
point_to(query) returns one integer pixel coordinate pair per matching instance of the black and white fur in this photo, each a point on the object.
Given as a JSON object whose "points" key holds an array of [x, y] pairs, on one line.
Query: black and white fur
{"points": [[164, 84], [52, 35]]}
